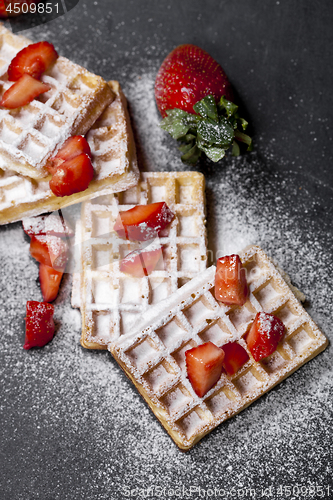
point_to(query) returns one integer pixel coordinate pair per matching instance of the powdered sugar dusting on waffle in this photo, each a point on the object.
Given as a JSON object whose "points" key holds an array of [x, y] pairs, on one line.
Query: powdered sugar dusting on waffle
{"points": [[32, 134], [113, 157], [192, 316], [111, 300]]}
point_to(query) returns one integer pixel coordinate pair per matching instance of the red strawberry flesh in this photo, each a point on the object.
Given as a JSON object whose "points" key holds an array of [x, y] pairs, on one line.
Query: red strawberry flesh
{"points": [[49, 280], [235, 356], [266, 332], [186, 76], [230, 281], [39, 324], [32, 60], [141, 263], [204, 365], [73, 176], [49, 250], [143, 222], [22, 92]]}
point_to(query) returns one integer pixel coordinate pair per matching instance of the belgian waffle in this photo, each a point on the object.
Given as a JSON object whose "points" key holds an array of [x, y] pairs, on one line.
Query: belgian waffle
{"points": [[114, 160], [153, 355], [31, 134], [110, 300]]}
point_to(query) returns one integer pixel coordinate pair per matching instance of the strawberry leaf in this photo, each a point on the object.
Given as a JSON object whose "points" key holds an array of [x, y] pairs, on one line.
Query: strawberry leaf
{"points": [[230, 108], [207, 108], [178, 122], [235, 149], [191, 154], [212, 130], [243, 138]]}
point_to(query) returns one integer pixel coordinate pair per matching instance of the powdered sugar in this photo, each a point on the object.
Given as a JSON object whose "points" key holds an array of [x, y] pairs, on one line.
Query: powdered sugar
{"points": [[74, 402], [51, 224]]}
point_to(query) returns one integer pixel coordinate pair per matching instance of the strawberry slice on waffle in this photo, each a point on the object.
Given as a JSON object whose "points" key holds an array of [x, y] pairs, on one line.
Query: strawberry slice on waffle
{"points": [[23, 91], [143, 222], [266, 332], [204, 365], [32, 60], [230, 281]]}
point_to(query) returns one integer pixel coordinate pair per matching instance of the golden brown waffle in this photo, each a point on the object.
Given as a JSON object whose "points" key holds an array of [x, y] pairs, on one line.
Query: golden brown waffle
{"points": [[113, 157], [153, 355], [110, 300], [31, 134]]}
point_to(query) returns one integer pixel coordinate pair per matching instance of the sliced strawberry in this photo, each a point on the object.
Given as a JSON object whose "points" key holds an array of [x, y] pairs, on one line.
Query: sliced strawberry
{"points": [[235, 356], [53, 224], [266, 332], [230, 281], [204, 365], [143, 222], [71, 148], [141, 262], [186, 76], [32, 60], [49, 280], [22, 92], [49, 250], [73, 176], [11, 8], [39, 324]]}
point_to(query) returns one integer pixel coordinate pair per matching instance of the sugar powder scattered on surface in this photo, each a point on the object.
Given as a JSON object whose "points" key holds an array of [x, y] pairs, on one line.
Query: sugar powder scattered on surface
{"points": [[62, 403]]}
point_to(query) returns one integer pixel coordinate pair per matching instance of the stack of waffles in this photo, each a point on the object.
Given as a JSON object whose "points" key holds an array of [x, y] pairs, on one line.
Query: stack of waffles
{"points": [[78, 102], [149, 322]]}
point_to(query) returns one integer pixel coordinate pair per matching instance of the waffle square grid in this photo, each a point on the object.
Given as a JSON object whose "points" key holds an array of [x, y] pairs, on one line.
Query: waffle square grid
{"points": [[114, 160], [31, 134], [110, 300], [153, 356]]}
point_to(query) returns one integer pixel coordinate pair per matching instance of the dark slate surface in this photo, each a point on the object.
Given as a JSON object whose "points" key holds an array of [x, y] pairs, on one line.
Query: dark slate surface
{"points": [[72, 426]]}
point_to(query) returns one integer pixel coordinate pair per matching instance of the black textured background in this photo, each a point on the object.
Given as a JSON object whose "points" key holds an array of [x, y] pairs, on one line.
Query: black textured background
{"points": [[71, 425]]}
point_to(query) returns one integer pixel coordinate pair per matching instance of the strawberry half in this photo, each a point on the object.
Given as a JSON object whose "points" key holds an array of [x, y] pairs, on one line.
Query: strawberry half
{"points": [[141, 263], [53, 224], [32, 60], [72, 176], [23, 91], [235, 356], [230, 281], [143, 222], [266, 332], [39, 324], [49, 250], [204, 365], [194, 96], [49, 280], [74, 146]]}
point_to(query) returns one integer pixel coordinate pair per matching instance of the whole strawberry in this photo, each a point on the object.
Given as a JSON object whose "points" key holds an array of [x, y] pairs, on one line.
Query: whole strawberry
{"points": [[187, 75], [194, 96]]}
